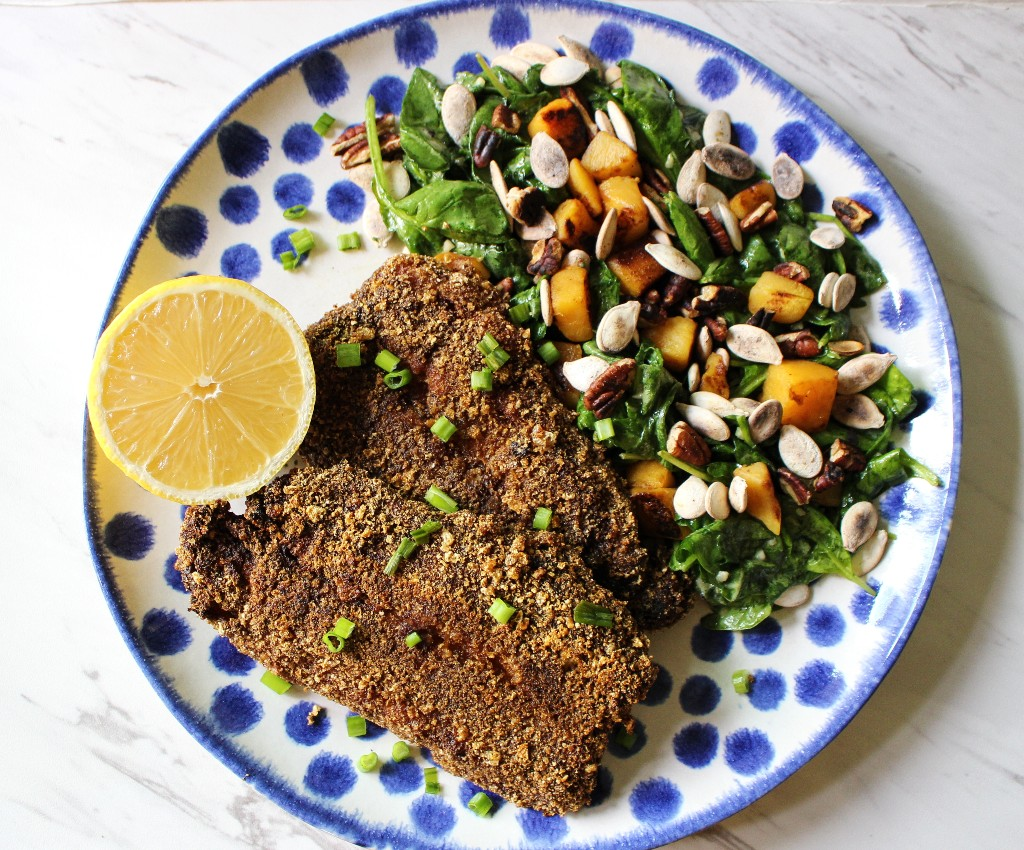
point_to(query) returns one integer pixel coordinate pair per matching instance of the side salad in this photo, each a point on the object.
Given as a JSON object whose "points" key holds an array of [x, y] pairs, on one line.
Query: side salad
{"points": [[692, 309]]}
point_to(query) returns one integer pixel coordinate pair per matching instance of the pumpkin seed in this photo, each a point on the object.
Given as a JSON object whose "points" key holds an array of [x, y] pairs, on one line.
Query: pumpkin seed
{"points": [[709, 424], [548, 160], [728, 161], [457, 109], [764, 420], [717, 127], [544, 229], [661, 237], [705, 344], [799, 453], [724, 356], [710, 196], [692, 175], [828, 236], [693, 377], [866, 558], [787, 177], [577, 257], [583, 372], [613, 76], [744, 404], [563, 71], [716, 500], [858, 411], [843, 292], [753, 344], [690, 498], [825, 290], [623, 128], [738, 494], [604, 122], [546, 312], [858, 524], [861, 372], [794, 596], [723, 212], [578, 51], [374, 227], [513, 64], [674, 260], [499, 184], [846, 347], [606, 235], [617, 326], [713, 402], [534, 53], [657, 216]]}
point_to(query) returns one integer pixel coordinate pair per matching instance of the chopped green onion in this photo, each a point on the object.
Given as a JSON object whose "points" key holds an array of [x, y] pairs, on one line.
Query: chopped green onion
{"points": [[406, 546], [413, 639], [520, 313], [323, 124], [741, 681], [487, 345], [289, 260], [496, 359], [589, 614], [397, 380], [349, 241], [274, 682], [480, 804], [501, 610], [548, 352], [400, 751], [298, 211], [604, 429], [386, 360], [430, 783], [333, 641], [492, 77], [424, 531], [437, 498], [394, 562], [443, 429], [542, 519], [302, 241], [367, 762], [356, 725], [348, 354], [344, 627], [625, 739], [683, 465], [481, 380]]}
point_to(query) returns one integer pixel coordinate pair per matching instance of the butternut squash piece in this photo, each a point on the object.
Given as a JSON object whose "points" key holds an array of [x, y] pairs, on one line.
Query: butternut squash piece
{"points": [[648, 475], [584, 186], [570, 303], [635, 269], [716, 376], [806, 391], [675, 338], [606, 156], [744, 202], [575, 225], [563, 122], [788, 299], [762, 503], [623, 194]]}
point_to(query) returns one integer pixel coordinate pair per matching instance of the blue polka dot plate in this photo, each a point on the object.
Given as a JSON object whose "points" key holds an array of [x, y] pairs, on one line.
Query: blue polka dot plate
{"points": [[702, 750]]}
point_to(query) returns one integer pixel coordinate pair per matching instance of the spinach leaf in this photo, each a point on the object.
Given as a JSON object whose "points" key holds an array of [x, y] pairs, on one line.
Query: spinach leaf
{"points": [[793, 243], [860, 263], [894, 394], [451, 209], [887, 470], [757, 257], [502, 259], [656, 118], [604, 286], [428, 147], [754, 374], [723, 270], [691, 233]]}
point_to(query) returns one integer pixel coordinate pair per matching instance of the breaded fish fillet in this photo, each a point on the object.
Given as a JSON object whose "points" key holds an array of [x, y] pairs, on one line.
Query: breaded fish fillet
{"points": [[517, 448], [522, 709]]}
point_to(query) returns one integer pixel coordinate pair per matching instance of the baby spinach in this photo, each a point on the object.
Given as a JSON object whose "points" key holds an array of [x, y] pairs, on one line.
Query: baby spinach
{"points": [[690, 232], [657, 120], [429, 151], [604, 287]]}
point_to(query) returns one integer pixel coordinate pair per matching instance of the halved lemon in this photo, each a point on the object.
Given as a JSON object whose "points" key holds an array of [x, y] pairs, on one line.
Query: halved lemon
{"points": [[201, 389]]}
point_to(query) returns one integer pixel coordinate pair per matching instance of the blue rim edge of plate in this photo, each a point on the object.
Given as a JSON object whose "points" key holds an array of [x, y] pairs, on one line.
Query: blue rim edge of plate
{"points": [[262, 776]]}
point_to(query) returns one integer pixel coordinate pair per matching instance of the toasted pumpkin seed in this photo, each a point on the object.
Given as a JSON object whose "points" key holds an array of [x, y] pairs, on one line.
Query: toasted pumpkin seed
{"points": [[577, 257], [692, 175], [604, 122], [744, 404], [661, 237], [843, 292], [861, 372], [563, 71], [548, 160], [622, 125], [753, 344], [583, 372], [690, 498], [738, 494], [799, 453], [857, 411], [499, 184], [457, 109], [794, 596], [858, 524], [710, 196], [544, 229], [579, 51], [713, 402], [846, 347], [717, 127], [613, 76], [709, 424], [693, 377], [723, 212], [617, 326], [513, 64], [828, 285], [534, 52], [705, 343], [546, 312], [657, 216], [870, 552], [764, 420], [674, 260], [606, 235], [828, 236], [787, 177], [728, 161], [716, 500]]}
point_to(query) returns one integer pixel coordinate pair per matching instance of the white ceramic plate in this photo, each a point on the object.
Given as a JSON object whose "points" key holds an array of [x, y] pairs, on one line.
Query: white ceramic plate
{"points": [[704, 751]]}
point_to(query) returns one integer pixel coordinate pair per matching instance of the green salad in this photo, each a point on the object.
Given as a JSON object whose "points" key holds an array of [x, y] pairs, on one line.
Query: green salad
{"points": [[688, 305]]}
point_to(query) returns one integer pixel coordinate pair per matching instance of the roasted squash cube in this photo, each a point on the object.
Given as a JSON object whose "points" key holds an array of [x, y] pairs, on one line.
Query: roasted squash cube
{"points": [[623, 195], [762, 503], [744, 202], [570, 303], [583, 186], [805, 389], [575, 224], [675, 338], [563, 122], [788, 299], [606, 156], [635, 269]]}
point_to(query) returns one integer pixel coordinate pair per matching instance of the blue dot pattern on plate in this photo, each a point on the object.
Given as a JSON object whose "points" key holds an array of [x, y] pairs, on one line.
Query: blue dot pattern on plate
{"points": [[299, 728], [345, 201], [241, 262], [401, 777], [696, 744], [171, 575], [301, 143], [744, 137], [602, 788], [165, 632], [748, 751], [129, 536], [244, 150], [330, 776], [797, 139], [544, 829], [227, 659], [710, 645], [415, 43], [388, 92], [509, 26], [768, 690], [655, 800], [432, 815], [819, 684], [825, 625], [325, 77], [235, 710], [182, 230], [717, 78], [466, 62], [812, 198], [639, 740], [900, 311], [291, 190], [612, 41], [700, 695], [661, 690], [240, 204], [862, 602], [764, 638]]}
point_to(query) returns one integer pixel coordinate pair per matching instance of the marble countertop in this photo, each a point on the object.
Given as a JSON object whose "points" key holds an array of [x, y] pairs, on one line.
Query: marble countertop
{"points": [[101, 100]]}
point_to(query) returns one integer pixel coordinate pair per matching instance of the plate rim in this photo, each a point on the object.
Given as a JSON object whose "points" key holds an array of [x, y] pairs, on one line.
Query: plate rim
{"points": [[246, 765]]}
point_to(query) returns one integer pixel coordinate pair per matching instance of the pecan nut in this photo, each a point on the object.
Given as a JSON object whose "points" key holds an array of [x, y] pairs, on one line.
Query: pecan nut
{"points": [[485, 143], [716, 230], [525, 205], [685, 443], [353, 146], [798, 345], [546, 257], [761, 318], [848, 458], [793, 270], [791, 484], [503, 118], [831, 474], [759, 218], [609, 388], [717, 327], [851, 213]]}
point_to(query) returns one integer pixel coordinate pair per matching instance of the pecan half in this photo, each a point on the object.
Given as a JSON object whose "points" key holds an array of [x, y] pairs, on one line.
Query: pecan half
{"points": [[791, 484], [657, 179], [353, 146], [851, 213], [485, 143], [546, 257], [609, 388], [684, 442], [713, 298], [717, 327], [761, 217], [798, 345], [848, 458], [761, 318], [794, 271], [716, 230], [503, 118], [830, 475], [525, 205], [675, 291]]}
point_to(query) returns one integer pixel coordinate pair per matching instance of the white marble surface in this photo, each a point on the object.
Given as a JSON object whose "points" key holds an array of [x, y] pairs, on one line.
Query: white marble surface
{"points": [[100, 101]]}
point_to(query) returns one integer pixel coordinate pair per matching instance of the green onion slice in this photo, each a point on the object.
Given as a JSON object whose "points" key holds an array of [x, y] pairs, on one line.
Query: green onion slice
{"points": [[487, 345], [413, 639], [589, 614], [437, 498], [423, 533], [400, 751], [482, 380], [323, 124], [333, 641], [443, 429], [356, 725], [298, 211], [480, 804], [344, 627], [367, 762], [397, 380], [625, 739], [349, 241], [604, 429], [386, 360], [302, 241], [406, 547], [548, 352], [501, 610], [430, 783], [496, 359], [542, 519], [520, 314], [274, 682], [289, 260], [348, 355], [741, 681]]}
